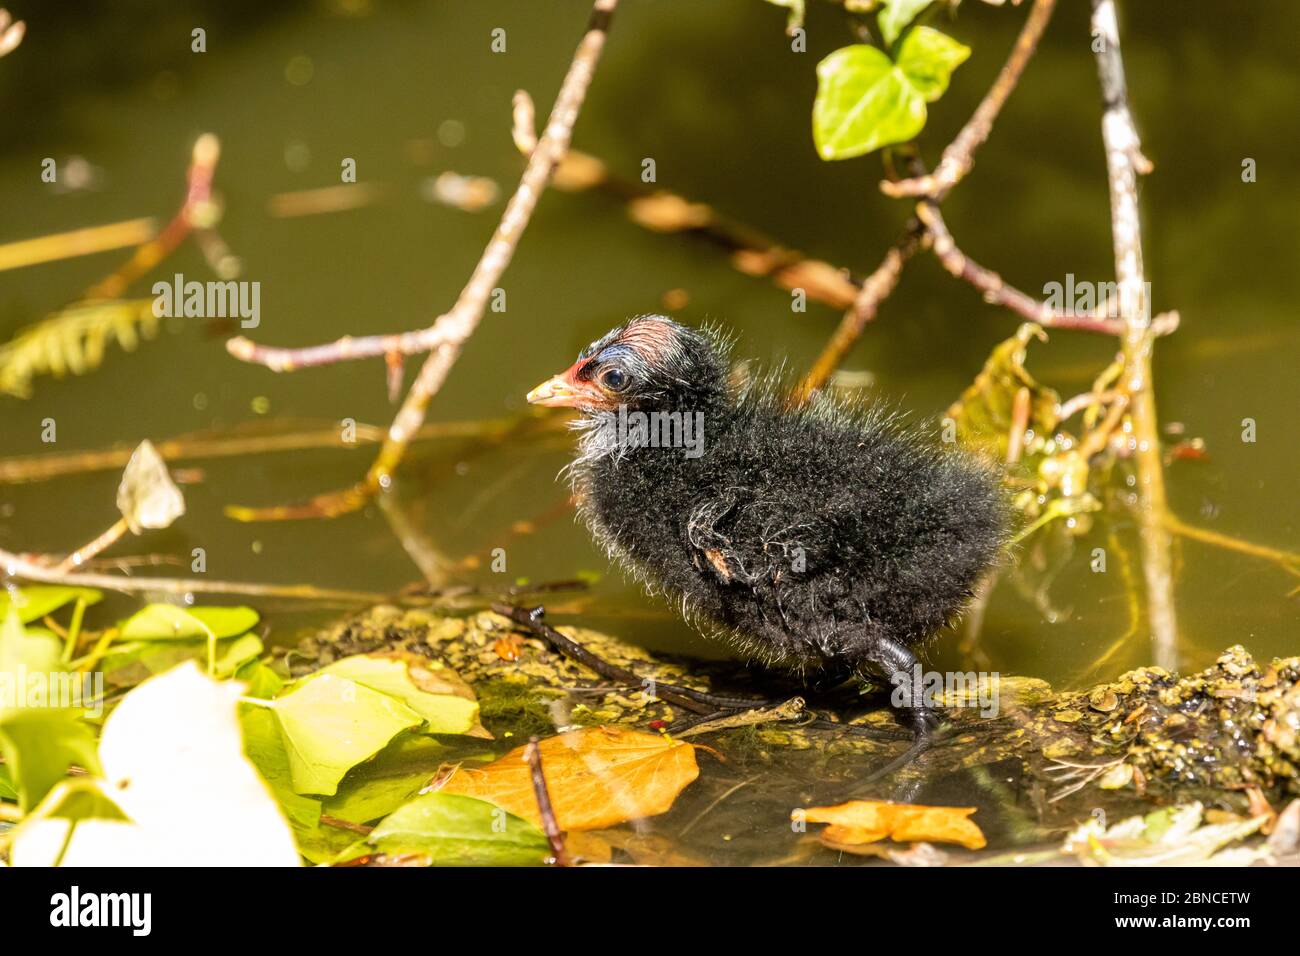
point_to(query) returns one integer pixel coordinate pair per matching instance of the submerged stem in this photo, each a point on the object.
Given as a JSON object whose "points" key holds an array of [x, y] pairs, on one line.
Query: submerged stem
{"points": [[1124, 163]]}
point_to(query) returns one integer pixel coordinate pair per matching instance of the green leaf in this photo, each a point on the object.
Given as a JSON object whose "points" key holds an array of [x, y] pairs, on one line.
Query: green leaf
{"points": [[39, 741], [896, 14], [168, 622], [40, 744], [371, 799], [447, 829], [396, 774], [173, 761], [863, 103], [261, 680], [128, 664], [428, 687], [23, 653], [330, 724], [7, 789], [927, 58], [264, 746], [37, 600], [866, 101]]}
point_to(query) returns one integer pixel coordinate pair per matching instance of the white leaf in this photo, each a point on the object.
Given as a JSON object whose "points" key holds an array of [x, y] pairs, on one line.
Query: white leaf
{"points": [[173, 761], [147, 496]]}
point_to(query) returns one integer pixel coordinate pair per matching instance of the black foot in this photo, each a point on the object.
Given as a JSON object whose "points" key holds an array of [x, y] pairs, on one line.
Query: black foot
{"points": [[924, 721]]}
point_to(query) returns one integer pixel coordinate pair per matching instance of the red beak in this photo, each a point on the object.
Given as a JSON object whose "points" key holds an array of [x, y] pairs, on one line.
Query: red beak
{"points": [[566, 391]]}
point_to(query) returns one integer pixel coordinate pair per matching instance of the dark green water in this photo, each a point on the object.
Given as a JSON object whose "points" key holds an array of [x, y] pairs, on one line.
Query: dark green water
{"points": [[712, 92]]}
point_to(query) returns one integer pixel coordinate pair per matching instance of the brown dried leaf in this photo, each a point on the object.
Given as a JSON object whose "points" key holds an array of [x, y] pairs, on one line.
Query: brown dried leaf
{"points": [[866, 821], [666, 212], [597, 777]]}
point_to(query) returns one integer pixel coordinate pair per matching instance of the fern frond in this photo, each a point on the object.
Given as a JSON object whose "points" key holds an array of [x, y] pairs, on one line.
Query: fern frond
{"points": [[73, 341]]}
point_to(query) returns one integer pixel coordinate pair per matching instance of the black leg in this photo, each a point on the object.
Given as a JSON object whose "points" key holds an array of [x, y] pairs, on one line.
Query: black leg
{"points": [[898, 665]]}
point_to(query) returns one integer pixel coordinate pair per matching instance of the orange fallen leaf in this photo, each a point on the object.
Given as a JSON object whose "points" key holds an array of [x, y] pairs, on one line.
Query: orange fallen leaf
{"points": [[866, 821], [597, 777]]}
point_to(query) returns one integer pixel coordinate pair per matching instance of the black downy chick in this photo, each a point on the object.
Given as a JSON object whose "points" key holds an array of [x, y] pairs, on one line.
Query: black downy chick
{"points": [[823, 539]]}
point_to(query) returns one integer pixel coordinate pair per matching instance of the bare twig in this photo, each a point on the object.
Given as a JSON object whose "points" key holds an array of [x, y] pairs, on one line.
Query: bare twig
{"points": [[697, 702], [78, 558], [877, 287], [1124, 162], [76, 242], [237, 442], [17, 566], [997, 292], [191, 215], [448, 334], [550, 826], [959, 157], [1289, 561], [1072, 406]]}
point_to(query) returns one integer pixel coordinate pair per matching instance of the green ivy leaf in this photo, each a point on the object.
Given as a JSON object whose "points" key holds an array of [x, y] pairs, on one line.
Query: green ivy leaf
{"points": [[863, 103], [35, 601], [447, 829], [261, 680], [264, 746], [40, 744], [896, 14], [23, 653], [130, 663], [866, 101], [927, 58], [169, 622], [429, 688], [38, 741], [330, 724]]}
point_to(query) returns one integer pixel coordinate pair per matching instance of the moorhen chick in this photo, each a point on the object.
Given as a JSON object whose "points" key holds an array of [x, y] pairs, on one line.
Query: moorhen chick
{"points": [[827, 539]]}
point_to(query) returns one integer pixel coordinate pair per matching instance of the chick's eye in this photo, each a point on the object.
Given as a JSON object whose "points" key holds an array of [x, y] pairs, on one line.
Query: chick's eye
{"points": [[614, 379]]}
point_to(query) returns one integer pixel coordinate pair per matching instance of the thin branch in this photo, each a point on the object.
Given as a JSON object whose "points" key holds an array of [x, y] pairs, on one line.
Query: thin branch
{"points": [[17, 566], [239, 442], [345, 349], [697, 702], [87, 551], [193, 214], [76, 242], [550, 826], [877, 287], [959, 157], [1289, 561], [1124, 162], [997, 292], [448, 334]]}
